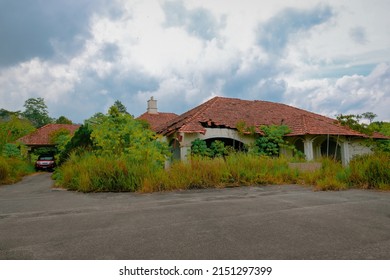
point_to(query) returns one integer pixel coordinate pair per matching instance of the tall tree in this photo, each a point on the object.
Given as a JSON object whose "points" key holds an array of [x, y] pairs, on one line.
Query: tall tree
{"points": [[36, 112], [121, 108], [369, 116]]}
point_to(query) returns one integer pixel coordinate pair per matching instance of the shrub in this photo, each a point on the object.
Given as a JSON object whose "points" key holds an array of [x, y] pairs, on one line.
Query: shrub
{"points": [[13, 169], [92, 173], [4, 169], [235, 170], [371, 171], [331, 176], [11, 150]]}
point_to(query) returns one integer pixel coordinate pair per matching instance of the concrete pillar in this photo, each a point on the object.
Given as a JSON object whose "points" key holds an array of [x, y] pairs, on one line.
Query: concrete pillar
{"points": [[308, 148], [345, 155]]}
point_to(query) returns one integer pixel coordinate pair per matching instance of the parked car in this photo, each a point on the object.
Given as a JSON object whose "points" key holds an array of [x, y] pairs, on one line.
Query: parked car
{"points": [[45, 162]]}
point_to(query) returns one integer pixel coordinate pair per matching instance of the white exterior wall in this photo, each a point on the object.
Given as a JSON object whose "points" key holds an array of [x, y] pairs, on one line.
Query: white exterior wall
{"points": [[358, 148], [348, 148]]}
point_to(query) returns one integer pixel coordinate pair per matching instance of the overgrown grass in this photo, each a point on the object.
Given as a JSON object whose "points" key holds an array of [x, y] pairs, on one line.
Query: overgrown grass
{"points": [[371, 171], [331, 176], [91, 173], [13, 169]]}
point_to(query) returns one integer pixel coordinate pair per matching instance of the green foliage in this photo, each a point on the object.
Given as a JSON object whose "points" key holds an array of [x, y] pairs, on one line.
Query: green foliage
{"points": [[235, 170], [4, 169], [371, 171], [80, 140], [244, 129], [218, 149], [273, 139], [11, 150], [121, 135], [13, 169], [36, 112], [63, 120], [331, 176], [121, 108], [12, 129], [95, 119], [199, 148], [369, 116], [91, 173], [60, 138]]}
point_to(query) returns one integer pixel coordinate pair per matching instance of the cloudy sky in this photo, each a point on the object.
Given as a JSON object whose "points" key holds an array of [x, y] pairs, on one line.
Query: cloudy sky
{"points": [[330, 56]]}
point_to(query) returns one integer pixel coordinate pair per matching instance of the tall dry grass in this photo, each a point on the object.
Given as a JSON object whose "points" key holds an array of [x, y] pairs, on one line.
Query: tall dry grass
{"points": [[371, 171], [91, 173], [13, 169]]}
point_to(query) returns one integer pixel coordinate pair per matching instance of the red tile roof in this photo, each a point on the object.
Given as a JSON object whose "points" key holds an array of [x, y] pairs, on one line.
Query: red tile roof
{"points": [[41, 137], [157, 120], [227, 112]]}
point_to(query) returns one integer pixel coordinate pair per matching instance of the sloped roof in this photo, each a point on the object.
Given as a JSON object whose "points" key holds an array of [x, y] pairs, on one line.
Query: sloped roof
{"points": [[227, 112], [41, 136], [157, 120]]}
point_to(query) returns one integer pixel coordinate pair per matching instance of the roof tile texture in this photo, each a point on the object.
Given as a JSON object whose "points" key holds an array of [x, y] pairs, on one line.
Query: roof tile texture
{"points": [[157, 120], [227, 112], [41, 136]]}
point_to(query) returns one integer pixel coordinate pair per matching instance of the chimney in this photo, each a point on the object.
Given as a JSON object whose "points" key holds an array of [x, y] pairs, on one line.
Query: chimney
{"points": [[152, 106]]}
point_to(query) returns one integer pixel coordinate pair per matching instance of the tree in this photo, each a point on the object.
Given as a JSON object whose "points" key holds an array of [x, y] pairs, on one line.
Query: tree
{"points": [[36, 112], [13, 129], [63, 120], [120, 135], [60, 138], [121, 108], [81, 140], [369, 116]]}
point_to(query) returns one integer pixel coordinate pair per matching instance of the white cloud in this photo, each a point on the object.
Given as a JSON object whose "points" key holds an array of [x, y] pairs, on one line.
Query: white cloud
{"points": [[334, 61]]}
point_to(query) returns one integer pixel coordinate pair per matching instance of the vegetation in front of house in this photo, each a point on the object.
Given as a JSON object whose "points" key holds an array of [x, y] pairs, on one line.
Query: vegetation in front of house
{"points": [[91, 173], [115, 152], [124, 155], [112, 152]]}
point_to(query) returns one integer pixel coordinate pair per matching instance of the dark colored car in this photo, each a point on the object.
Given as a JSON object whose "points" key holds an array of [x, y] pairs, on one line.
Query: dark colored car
{"points": [[45, 162]]}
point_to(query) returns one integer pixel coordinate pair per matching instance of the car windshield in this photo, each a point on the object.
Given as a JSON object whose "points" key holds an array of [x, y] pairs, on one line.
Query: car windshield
{"points": [[46, 158]]}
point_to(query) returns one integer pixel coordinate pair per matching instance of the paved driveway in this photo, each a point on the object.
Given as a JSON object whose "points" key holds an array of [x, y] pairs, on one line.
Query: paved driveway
{"points": [[268, 222]]}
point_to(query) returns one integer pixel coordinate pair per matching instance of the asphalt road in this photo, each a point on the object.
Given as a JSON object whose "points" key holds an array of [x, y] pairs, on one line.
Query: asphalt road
{"points": [[267, 222]]}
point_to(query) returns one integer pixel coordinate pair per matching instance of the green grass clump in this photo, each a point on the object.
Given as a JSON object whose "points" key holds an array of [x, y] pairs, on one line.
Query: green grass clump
{"points": [[4, 169], [13, 169], [234, 170], [91, 173], [331, 176], [371, 171]]}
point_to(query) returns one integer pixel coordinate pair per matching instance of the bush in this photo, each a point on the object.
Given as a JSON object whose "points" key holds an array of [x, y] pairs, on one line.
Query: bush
{"points": [[331, 176], [4, 169], [13, 169], [235, 170], [91, 173], [371, 171]]}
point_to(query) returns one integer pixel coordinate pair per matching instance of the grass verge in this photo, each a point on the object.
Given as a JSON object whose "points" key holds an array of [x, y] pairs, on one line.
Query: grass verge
{"points": [[12, 170]]}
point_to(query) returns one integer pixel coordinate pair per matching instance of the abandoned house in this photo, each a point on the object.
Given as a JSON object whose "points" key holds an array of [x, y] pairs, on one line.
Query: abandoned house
{"points": [[312, 134]]}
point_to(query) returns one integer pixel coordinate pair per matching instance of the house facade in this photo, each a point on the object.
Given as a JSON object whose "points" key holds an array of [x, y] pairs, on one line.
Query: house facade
{"points": [[218, 119]]}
